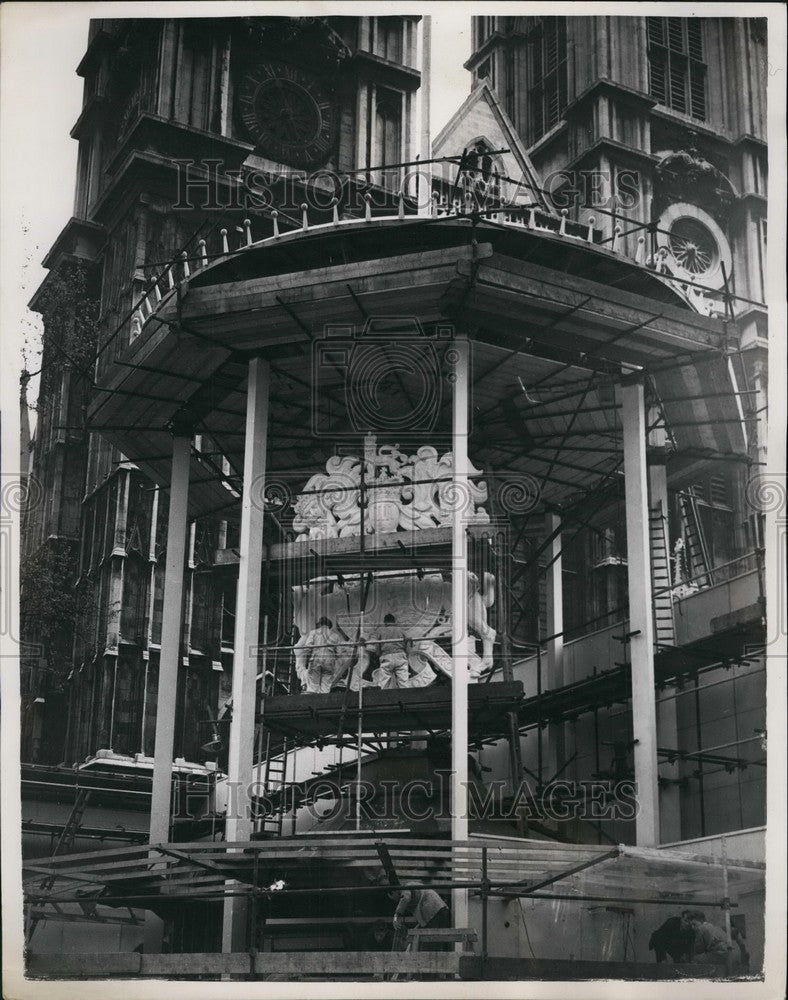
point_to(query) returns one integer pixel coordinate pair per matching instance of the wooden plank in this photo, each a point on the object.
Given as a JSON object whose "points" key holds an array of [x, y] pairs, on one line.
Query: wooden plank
{"points": [[318, 846], [515, 269], [314, 963], [90, 964], [443, 933], [358, 962], [311, 282], [525, 969], [56, 860]]}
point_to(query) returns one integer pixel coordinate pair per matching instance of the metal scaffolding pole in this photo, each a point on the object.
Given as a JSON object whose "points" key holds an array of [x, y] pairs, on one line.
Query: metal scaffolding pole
{"points": [[641, 623], [459, 602], [169, 660], [247, 637], [555, 629]]}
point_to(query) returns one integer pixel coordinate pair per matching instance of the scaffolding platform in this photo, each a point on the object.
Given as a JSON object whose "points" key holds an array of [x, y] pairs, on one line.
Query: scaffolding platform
{"points": [[672, 665], [428, 549], [313, 716]]}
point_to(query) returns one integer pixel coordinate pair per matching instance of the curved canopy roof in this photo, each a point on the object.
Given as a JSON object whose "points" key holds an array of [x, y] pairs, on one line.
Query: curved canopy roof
{"points": [[555, 323]]}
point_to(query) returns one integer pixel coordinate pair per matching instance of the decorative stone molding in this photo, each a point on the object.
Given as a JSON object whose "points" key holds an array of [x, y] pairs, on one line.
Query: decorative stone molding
{"points": [[685, 174], [402, 493]]}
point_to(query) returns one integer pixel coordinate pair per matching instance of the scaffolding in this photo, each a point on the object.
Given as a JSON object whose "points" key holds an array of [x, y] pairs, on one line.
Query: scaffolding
{"points": [[594, 341], [282, 878]]}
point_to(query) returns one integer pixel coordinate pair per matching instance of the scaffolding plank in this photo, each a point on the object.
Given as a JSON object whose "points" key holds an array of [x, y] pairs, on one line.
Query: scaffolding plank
{"points": [[526, 969], [318, 714], [295, 964]]}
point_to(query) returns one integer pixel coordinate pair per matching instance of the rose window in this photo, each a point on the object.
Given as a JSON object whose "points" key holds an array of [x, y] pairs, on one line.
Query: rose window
{"points": [[693, 246]]}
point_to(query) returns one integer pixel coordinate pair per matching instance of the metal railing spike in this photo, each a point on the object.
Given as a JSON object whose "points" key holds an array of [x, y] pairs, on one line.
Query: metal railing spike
{"points": [[304, 216], [275, 220], [562, 227], [368, 207], [203, 253], [248, 231], [614, 238], [401, 205], [640, 256], [335, 210], [591, 224], [186, 269], [225, 245], [170, 279]]}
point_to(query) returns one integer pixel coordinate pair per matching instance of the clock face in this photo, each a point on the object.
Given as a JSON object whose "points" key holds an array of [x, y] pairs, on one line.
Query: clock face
{"points": [[287, 113]]}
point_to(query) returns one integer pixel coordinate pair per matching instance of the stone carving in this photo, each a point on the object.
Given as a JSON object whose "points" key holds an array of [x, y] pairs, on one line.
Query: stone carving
{"points": [[403, 493], [681, 589], [687, 174]]}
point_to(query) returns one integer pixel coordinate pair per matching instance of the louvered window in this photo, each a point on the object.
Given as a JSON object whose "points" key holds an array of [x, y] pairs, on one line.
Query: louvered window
{"points": [[677, 72], [547, 90]]}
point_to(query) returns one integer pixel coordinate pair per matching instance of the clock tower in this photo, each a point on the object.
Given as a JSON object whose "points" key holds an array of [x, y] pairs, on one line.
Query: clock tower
{"points": [[288, 114], [300, 102]]}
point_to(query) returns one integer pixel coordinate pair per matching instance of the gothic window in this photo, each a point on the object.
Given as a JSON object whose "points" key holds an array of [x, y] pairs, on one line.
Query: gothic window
{"points": [[483, 174], [158, 604], [485, 26], [547, 87], [202, 612], [508, 82], [389, 38], [133, 618], [697, 249], [677, 72], [86, 182], [388, 133]]}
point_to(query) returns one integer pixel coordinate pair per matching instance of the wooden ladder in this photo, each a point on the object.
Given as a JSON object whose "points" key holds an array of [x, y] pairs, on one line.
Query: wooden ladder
{"points": [[697, 560], [664, 628]]}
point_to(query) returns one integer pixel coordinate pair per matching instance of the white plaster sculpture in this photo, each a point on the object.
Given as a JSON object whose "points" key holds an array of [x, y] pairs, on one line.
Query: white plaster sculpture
{"points": [[399, 618], [404, 621], [680, 588], [403, 493]]}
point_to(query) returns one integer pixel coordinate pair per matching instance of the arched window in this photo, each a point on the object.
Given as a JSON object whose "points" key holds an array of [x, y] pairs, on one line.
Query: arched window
{"points": [[547, 78], [483, 174]]}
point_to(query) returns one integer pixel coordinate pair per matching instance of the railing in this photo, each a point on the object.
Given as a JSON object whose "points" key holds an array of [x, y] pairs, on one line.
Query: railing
{"points": [[722, 573], [525, 217]]}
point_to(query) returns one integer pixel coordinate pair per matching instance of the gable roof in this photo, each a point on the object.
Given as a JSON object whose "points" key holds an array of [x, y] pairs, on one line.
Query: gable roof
{"points": [[481, 115]]}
